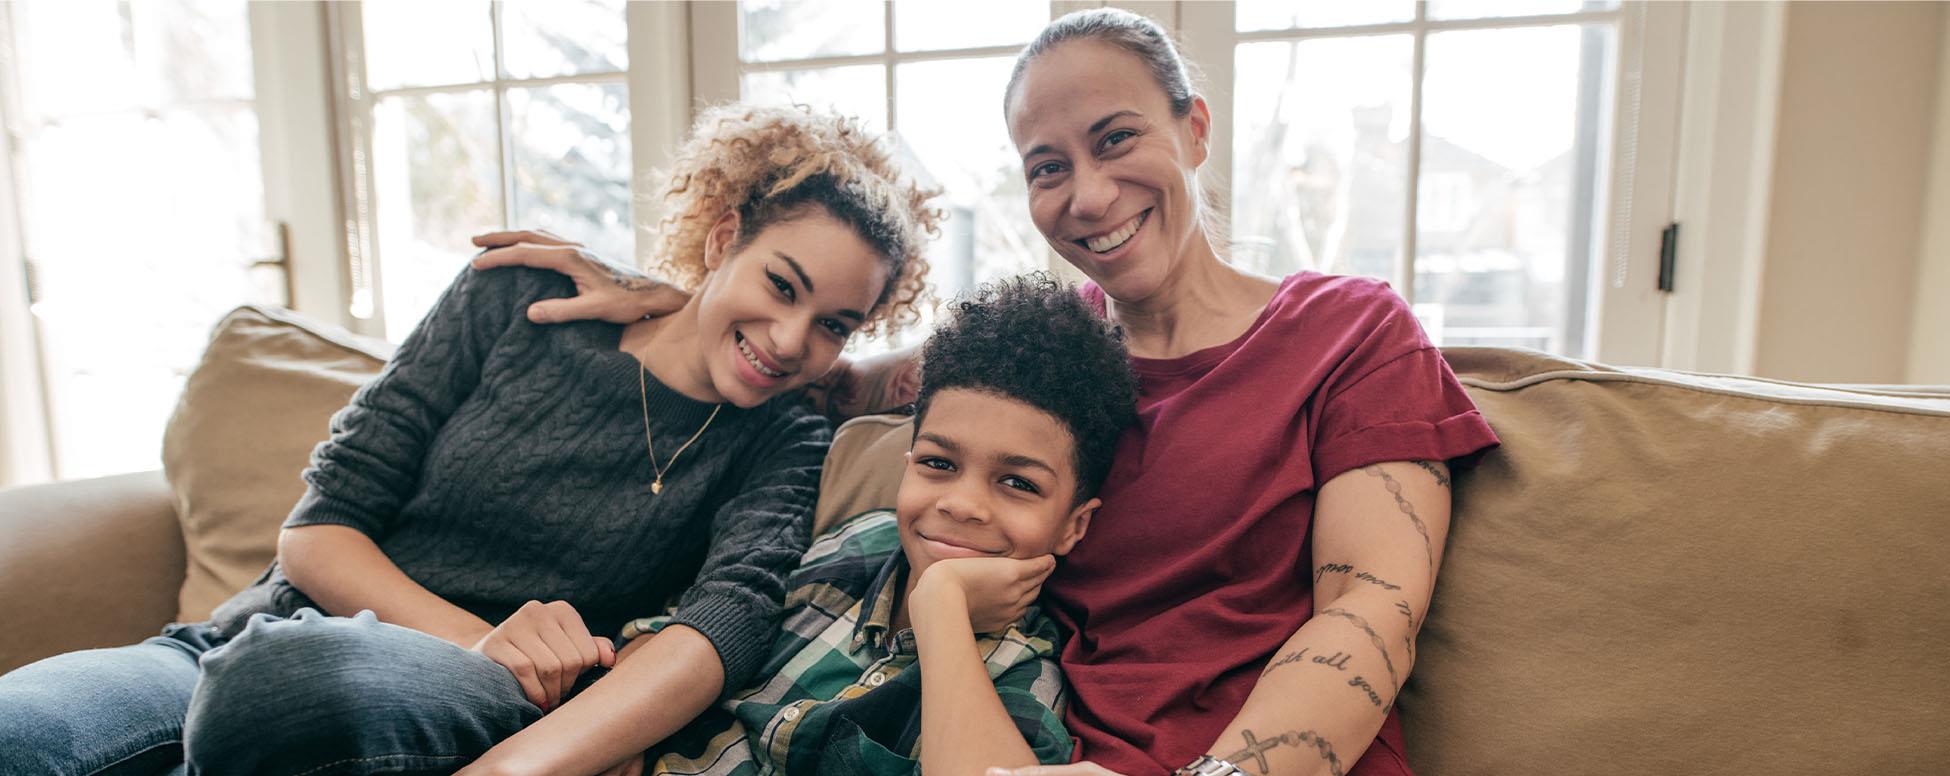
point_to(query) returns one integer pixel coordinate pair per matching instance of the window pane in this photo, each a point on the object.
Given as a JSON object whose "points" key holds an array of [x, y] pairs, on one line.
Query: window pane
{"points": [[96, 56], [436, 183], [427, 43], [1480, 9], [572, 163], [928, 24], [1286, 14], [112, 380], [562, 37], [1320, 155], [960, 139], [1506, 213], [771, 30], [858, 90]]}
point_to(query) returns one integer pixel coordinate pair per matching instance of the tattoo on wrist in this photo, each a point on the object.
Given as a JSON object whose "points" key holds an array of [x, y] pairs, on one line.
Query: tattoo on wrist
{"points": [[1256, 748], [1394, 679], [1434, 470], [1401, 503]]}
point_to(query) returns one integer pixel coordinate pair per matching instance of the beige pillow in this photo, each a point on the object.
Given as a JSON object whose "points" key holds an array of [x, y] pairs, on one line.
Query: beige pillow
{"points": [[243, 431]]}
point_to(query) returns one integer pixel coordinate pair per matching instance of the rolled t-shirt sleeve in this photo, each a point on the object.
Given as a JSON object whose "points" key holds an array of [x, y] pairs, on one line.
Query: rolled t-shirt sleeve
{"points": [[1395, 399]]}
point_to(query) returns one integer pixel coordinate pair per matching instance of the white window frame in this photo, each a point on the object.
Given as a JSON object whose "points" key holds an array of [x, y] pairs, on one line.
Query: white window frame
{"points": [[1634, 186], [660, 113], [1635, 182], [294, 131], [718, 68]]}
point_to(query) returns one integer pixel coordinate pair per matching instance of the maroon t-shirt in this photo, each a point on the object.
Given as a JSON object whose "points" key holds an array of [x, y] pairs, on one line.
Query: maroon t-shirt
{"points": [[1198, 566]]}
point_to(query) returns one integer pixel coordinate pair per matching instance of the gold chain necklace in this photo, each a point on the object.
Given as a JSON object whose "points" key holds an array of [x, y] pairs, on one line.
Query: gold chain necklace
{"points": [[643, 391]]}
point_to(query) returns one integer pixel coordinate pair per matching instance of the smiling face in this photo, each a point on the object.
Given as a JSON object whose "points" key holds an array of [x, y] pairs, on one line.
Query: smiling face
{"points": [[988, 476], [776, 310], [1111, 173]]}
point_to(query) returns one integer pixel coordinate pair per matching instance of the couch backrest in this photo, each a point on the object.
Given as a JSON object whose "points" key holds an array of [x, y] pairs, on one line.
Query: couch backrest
{"points": [[1662, 572], [1656, 571]]}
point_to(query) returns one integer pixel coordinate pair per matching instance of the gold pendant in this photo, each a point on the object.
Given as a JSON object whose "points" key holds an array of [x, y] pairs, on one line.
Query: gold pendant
{"points": [[657, 488]]}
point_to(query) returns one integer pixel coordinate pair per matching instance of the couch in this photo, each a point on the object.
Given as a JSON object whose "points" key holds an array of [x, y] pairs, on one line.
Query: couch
{"points": [[1657, 572]]}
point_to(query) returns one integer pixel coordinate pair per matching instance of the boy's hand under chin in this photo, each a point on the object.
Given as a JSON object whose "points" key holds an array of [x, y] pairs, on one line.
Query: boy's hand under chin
{"points": [[996, 591]]}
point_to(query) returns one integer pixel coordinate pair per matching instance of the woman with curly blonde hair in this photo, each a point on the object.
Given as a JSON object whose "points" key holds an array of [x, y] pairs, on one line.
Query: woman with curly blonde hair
{"points": [[505, 495]]}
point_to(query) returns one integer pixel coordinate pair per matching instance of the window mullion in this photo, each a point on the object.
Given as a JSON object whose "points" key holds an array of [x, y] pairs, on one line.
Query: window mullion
{"points": [[1405, 270], [887, 50], [504, 139], [356, 105]]}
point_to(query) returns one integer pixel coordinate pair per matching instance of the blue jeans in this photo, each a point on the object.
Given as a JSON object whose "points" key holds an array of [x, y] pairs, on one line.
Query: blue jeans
{"points": [[310, 694]]}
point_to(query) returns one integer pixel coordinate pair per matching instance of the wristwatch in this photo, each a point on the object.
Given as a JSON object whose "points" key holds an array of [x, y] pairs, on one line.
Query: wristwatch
{"points": [[1207, 765]]}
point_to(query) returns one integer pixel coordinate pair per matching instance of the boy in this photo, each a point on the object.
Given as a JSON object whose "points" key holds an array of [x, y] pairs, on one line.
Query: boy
{"points": [[1023, 395]]}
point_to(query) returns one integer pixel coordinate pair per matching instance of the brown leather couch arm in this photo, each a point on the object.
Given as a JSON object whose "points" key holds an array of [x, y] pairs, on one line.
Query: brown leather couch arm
{"points": [[86, 563]]}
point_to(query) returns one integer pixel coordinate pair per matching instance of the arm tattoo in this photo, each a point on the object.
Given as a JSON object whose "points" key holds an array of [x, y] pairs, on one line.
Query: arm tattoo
{"points": [[1401, 503], [1408, 639], [624, 277], [1344, 568], [1287, 659], [1256, 749], [1434, 471], [1394, 680]]}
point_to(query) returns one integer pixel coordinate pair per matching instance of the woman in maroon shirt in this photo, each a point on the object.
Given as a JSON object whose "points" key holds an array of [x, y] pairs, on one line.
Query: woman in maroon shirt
{"points": [[1248, 599]]}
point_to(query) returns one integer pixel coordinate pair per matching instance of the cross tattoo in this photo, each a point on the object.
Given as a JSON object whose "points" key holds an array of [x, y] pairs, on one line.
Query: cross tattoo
{"points": [[1257, 749]]}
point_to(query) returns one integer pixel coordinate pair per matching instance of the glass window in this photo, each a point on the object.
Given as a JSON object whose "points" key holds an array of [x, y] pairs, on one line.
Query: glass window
{"points": [[945, 110], [1289, 14], [1500, 153], [1320, 155], [487, 115], [137, 120], [774, 30], [1503, 217]]}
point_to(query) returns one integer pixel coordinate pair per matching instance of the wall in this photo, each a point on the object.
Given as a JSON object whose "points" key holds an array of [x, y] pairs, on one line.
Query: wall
{"points": [[1857, 114], [1929, 333]]}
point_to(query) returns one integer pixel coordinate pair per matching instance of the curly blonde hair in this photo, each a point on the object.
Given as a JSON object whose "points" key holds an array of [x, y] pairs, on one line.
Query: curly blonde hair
{"points": [[770, 164]]}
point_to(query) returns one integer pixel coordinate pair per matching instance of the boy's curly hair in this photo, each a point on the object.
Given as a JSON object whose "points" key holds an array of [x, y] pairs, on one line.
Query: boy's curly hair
{"points": [[770, 164], [1035, 340]]}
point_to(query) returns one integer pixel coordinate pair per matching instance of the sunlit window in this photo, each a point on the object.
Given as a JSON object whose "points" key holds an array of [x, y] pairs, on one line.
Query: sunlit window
{"points": [[135, 140], [934, 74], [484, 115], [1498, 136]]}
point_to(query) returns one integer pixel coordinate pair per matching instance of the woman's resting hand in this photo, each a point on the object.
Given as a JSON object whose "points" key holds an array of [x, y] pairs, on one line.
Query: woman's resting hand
{"points": [[546, 646], [997, 590], [604, 291]]}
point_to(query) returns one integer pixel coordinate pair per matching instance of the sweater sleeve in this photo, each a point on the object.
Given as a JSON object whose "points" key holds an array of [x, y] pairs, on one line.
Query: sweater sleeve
{"points": [[370, 466], [757, 538]]}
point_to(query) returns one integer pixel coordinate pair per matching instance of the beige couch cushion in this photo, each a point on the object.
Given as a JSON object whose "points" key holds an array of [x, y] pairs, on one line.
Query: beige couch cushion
{"points": [[863, 469], [242, 433], [1662, 573]]}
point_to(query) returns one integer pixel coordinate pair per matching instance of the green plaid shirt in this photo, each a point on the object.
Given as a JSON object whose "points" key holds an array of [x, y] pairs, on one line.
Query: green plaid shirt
{"points": [[839, 693]]}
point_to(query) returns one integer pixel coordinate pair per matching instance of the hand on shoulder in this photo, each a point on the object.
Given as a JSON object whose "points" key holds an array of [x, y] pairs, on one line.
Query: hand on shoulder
{"points": [[604, 290]]}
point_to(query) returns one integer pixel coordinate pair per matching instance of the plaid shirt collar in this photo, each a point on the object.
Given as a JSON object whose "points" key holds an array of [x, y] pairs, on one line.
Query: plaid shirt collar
{"points": [[877, 607]]}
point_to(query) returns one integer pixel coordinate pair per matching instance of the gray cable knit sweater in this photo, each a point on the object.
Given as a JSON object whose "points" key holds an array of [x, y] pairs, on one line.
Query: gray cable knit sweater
{"points": [[496, 461]]}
